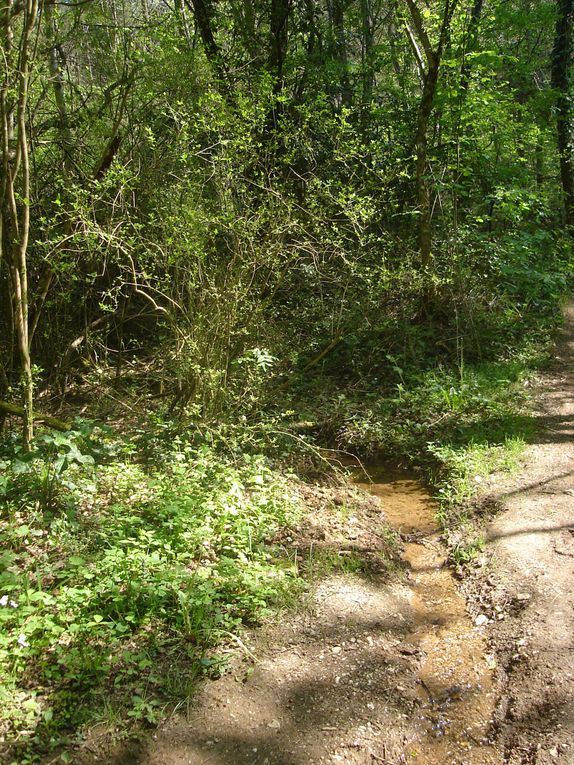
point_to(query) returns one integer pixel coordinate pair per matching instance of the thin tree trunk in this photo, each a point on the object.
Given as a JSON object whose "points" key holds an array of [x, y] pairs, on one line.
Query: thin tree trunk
{"points": [[421, 149], [337, 20], [6, 408], [367, 58], [201, 10], [471, 43], [278, 41], [433, 60], [65, 136], [561, 56], [15, 184]]}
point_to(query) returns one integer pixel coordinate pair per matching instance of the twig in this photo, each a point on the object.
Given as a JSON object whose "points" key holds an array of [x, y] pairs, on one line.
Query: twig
{"points": [[241, 645]]}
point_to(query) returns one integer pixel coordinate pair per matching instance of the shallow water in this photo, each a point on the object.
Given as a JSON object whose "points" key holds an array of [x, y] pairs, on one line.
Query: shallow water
{"points": [[456, 684]]}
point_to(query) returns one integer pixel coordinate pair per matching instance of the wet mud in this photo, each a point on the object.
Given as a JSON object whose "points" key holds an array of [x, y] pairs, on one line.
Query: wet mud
{"points": [[457, 691]]}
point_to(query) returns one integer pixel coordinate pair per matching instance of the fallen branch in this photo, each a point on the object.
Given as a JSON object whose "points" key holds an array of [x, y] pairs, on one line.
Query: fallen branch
{"points": [[51, 422]]}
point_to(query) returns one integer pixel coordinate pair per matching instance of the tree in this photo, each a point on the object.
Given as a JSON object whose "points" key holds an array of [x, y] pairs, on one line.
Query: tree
{"points": [[560, 79], [18, 23], [428, 61]]}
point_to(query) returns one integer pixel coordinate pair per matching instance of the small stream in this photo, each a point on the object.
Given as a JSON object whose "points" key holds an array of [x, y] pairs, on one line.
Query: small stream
{"points": [[456, 685]]}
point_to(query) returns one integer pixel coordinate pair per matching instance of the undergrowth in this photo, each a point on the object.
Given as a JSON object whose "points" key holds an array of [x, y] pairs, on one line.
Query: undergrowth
{"points": [[461, 420], [117, 579], [125, 564]]}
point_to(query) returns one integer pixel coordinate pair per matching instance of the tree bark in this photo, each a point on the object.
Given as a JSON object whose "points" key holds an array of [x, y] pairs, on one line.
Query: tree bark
{"points": [[421, 149], [278, 41], [337, 21], [560, 80], [65, 139], [433, 56], [19, 411], [470, 43], [368, 73], [15, 181], [202, 14]]}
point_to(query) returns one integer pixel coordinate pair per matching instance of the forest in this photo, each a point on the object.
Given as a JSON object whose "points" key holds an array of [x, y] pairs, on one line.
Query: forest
{"points": [[238, 240]]}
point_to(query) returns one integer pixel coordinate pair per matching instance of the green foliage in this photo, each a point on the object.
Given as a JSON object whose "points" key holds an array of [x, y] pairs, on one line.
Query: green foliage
{"points": [[226, 242], [36, 477], [321, 563], [152, 567], [483, 403], [466, 467], [465, 553]]}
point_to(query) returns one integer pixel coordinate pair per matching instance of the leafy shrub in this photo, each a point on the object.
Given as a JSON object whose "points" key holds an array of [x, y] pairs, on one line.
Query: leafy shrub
{"points": [[152, 565]]}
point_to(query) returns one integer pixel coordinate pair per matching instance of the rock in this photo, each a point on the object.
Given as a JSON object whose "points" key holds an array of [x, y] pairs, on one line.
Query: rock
{"points": [[275, 724], [480, 620]]}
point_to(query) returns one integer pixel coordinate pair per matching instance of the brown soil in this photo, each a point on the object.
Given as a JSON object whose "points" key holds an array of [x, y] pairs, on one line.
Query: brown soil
{"points": [[525, 586], [387, 662], [382, 665]]}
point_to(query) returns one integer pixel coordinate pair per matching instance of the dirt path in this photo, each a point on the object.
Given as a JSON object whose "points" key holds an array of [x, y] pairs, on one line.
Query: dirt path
{"points": [[379, 667], [388, 666], [333, 682], [530, 579]]}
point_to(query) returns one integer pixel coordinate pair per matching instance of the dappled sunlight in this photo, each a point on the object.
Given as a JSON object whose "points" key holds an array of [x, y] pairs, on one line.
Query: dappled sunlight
{"points": [[373, 668]]}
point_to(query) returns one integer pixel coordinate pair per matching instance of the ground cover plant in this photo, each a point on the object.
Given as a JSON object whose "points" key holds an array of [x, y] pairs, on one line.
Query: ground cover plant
{"points": [[118, 578]]}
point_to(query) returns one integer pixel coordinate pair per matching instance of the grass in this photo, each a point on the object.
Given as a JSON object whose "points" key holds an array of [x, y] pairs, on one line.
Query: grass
{"points": [[322, 563], [118, 580], [460, 422], [481, 404], [464, 468]]}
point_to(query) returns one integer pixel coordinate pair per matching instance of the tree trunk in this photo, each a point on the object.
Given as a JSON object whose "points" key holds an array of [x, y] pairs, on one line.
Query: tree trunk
{"points": [[561, 55], [421, 149], [15, 181], [368, 73], [470, 43], [433, 57], [339, 45], [6, 408], [65, 139], [202, 14], [278, 41]]}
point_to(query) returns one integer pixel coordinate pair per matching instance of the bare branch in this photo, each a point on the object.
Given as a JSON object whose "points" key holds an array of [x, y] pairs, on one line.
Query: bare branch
{"points": [[421, 31]]}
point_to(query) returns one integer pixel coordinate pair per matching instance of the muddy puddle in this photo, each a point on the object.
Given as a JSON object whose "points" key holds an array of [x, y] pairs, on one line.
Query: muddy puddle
{"points": [[373, 670], [456, 675]]}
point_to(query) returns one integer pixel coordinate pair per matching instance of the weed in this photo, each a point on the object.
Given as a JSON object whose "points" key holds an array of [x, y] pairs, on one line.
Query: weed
{"points": [[464, 469], [466, 552], [131, 569], [322, 563], [391, 536]]}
